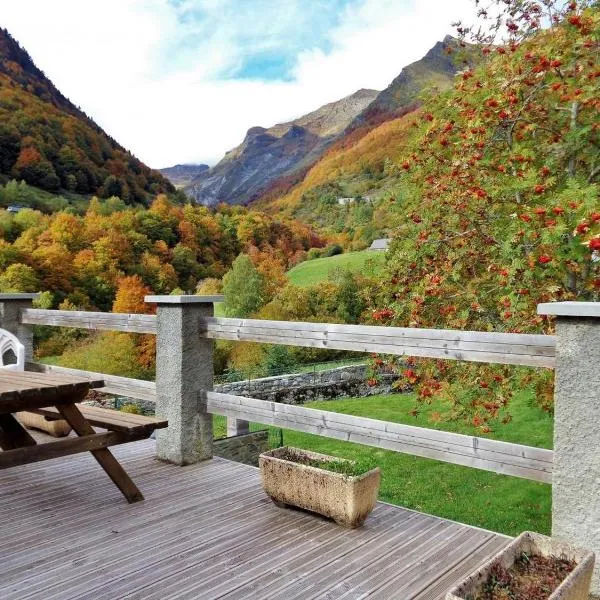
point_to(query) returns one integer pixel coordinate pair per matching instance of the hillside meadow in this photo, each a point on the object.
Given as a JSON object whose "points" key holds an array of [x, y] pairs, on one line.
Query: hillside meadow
{"points": [[314, 271]]}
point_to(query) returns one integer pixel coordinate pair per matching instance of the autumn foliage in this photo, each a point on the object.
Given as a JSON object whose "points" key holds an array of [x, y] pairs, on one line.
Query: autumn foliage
{"points": [[48, 142], [112, 256], [501, 182]]}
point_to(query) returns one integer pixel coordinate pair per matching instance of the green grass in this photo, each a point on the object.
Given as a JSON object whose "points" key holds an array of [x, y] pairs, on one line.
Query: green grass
{"points": [[497, 502], [314, 271]]}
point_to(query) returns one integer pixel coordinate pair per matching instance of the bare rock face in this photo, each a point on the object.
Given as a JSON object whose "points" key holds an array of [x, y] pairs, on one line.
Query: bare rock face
{"points": [[182, 175], [435, 70], [267, 154]]}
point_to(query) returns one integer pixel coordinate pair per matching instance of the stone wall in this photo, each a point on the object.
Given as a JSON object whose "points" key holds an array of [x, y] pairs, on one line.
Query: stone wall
{"points": [[243, 448], [297, 388]]}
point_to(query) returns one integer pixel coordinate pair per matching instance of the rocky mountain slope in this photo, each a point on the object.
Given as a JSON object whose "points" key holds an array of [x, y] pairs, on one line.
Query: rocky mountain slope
{"points": [[182, 175], [271, 162], [435, 70], [268, 154], [50, 143]]}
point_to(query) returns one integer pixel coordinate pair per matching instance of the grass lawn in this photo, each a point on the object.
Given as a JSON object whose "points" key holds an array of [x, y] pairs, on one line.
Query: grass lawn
{"points": [[310, 272], [497, 502]]}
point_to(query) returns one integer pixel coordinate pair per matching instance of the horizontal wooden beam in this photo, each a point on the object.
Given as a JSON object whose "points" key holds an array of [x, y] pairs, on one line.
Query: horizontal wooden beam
{"points": [[113, 384], [481, 453], [502, 348], [478, 346], [64, 447], [102, 321]]}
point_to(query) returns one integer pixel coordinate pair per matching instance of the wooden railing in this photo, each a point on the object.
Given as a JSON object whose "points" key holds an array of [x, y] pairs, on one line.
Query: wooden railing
{"points": [[101, 321], [183, 391], [503, 348], [482, 453]]}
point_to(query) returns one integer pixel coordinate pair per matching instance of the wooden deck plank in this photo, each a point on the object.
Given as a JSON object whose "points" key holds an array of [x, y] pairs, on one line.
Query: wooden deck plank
{"points": [[208, 531]]}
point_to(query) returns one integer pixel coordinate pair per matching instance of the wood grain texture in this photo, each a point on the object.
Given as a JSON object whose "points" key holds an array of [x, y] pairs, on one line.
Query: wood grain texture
{"points": [[503, 348], [25, 390], [113, 384], [111, 419], [477, 346], [208, 531], [72, 415], [132, 323], [63, 447], [481, 453]]}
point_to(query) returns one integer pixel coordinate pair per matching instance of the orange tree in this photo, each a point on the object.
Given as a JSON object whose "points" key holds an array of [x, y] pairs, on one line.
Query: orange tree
{"points": [[503, 211]]}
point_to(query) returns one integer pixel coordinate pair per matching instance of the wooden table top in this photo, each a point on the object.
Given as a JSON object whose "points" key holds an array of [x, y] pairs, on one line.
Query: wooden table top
{"points": [[22, 390]]}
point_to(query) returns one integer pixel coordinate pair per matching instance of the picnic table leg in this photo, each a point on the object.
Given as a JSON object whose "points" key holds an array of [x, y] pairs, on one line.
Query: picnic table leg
{"points": [[107, 461], [13, 434]]}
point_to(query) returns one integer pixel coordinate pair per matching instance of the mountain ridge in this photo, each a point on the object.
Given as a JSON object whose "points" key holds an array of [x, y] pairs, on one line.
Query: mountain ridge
{"points": [[266, 154], [181, 175], [50, 143], [267, 163]]}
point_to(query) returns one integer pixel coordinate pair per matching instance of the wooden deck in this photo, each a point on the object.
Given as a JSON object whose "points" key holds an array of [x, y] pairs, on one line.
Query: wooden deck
{"points": [[208, 531]]}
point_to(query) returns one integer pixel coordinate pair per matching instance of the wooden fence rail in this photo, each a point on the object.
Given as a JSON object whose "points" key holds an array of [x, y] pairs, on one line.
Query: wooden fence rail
{"points": [[490, 455], [101, 321], [481, 453], [503, 348]]}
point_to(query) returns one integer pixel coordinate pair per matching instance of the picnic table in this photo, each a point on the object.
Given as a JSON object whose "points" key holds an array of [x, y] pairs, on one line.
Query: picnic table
{"points": [[54, 396]]}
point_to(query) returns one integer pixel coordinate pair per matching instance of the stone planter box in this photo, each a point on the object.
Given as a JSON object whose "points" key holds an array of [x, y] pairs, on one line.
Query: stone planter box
{"points": [[53, 427], [576, 586], [347, 500]]}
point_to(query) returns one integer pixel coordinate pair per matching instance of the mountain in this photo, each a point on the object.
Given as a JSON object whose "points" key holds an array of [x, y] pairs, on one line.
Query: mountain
{"points": [[268, 154], [182, 175], [435, 70], [272, 162], [355, 164], [52, 144]]}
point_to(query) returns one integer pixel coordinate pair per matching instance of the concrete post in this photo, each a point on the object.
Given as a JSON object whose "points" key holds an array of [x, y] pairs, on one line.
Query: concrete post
{"points": [[184, 372], [11, 306], [576, 470], [237, 427]]}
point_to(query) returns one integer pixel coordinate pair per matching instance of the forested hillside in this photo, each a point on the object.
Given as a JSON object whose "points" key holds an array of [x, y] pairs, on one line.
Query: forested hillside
{"points": [[81, 261], [48, 142]]}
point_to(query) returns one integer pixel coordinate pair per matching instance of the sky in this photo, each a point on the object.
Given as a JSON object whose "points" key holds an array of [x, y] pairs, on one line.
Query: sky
{"points": [[181, 81]]}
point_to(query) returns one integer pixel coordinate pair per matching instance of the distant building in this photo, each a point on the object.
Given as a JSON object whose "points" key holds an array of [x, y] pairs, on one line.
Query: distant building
{"points": [[345, 201], [381, 244], [15, 208]]}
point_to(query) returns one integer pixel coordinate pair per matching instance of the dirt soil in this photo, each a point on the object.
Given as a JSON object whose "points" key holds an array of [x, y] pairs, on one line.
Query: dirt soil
{"points": [[530, 578]]}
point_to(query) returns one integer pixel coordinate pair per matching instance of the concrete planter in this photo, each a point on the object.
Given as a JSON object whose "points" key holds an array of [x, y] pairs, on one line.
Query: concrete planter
{"points": [[345, 499], [576, 586], [53, 427]]}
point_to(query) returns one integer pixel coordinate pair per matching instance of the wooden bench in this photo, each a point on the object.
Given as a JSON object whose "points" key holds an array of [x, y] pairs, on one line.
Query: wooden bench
{"points": [[106, 418]]}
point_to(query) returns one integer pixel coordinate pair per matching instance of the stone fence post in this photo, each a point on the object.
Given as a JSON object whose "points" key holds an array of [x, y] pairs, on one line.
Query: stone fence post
{"points": [[237, 427], [576, 470], [11, 306], [184, 372]]}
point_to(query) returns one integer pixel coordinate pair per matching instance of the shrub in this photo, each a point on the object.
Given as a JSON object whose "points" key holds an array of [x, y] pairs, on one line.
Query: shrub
{"points": [[333, 250]]}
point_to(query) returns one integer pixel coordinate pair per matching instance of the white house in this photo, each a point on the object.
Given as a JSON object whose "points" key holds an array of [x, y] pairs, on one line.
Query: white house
{"points": [[381, 244]]}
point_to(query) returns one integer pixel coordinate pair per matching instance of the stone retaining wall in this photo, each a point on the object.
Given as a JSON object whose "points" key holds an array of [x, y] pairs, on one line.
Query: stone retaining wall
{"points": [[243, 448], [297, 388]]}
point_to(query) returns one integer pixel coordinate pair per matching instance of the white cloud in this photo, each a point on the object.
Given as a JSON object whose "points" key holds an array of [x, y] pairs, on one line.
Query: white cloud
{"points": [[151, 78]]}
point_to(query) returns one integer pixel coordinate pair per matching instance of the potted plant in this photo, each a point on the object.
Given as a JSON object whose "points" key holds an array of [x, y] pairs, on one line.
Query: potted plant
{"points": [[531, 567], [343, 490]]}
